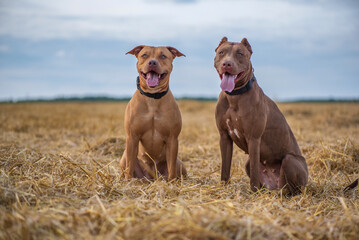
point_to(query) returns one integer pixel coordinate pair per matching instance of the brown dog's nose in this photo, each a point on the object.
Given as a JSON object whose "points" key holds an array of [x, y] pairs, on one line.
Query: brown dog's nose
{"points": [[152, 63], [227, 64]]}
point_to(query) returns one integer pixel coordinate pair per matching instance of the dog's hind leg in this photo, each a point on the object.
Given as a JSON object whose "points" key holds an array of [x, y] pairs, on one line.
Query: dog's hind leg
{"points": [[293, 173], [180, 169]]}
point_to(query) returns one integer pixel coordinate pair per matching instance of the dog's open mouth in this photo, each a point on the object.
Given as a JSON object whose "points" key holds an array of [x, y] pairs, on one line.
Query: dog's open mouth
{"points": [[227, 74], [153, 78], [228, 81]]}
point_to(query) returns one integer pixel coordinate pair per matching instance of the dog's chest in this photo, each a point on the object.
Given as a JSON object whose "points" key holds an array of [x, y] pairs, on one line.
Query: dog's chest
{"points": [[234, 128], [158, 121], [155, 121]]}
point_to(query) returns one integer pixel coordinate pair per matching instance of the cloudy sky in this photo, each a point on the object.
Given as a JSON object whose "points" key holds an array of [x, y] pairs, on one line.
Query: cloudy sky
{"points": [[301, 49]]}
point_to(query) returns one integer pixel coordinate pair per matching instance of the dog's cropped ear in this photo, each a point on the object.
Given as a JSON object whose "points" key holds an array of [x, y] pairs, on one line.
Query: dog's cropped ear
{"points": [[247, 45], [224, 39], [175, 52], [136, 50]]}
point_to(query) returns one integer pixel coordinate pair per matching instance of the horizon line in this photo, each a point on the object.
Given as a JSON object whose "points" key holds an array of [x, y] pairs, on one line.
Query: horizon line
{"points": [[106, 98]]}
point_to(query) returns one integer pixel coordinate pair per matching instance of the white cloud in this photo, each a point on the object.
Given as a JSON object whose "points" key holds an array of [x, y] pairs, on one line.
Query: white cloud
{"points": [[195, 27], [308, 25]]}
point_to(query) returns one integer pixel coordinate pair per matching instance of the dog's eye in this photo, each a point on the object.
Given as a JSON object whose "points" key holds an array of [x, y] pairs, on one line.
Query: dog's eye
{"points": [[163, 56], [239, 53], [144, 55], [221, 53]]}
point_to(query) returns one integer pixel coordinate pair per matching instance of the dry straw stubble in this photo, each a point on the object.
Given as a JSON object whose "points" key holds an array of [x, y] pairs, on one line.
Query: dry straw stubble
{"points": [[60, 178]]}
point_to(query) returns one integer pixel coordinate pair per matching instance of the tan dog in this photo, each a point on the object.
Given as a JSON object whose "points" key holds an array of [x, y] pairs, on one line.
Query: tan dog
{"points": [[247, 117], [153, 119]]}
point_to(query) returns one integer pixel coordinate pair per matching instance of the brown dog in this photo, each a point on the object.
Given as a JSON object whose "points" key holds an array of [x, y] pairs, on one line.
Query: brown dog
{"points": [[247, 117], [153, 119]]}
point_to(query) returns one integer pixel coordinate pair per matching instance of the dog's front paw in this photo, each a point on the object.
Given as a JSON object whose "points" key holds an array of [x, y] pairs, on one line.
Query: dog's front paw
{"points": [[255, 186], [128, 176], [226, 181], [254, 189]]}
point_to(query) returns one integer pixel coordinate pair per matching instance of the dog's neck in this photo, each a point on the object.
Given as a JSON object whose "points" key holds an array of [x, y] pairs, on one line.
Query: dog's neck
{"points": [[244, 89], [155, 95]]}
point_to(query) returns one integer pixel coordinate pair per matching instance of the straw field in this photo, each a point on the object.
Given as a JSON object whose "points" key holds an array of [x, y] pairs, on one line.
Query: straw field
{"points": [[60, 178]]}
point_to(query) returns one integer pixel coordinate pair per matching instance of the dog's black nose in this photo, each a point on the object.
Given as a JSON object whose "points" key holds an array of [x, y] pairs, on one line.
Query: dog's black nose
{"points": [[152, 63]]}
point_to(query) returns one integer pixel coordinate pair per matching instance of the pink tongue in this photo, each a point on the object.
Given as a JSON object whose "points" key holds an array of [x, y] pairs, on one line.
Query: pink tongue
{"points": [[152, 79], [227, 83]]}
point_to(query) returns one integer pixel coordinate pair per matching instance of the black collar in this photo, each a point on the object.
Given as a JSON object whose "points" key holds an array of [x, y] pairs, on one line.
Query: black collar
{"points": [[244, 89], [151, 95]]}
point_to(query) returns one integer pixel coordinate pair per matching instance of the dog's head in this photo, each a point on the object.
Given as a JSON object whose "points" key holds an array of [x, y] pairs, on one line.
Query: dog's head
{"points": [[232, 62], [154, 65]]}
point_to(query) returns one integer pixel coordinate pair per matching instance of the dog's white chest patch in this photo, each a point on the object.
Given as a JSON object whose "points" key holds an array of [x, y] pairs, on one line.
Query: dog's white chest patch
{"points": [[229, 128], [227, 122], [234, 131]]}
